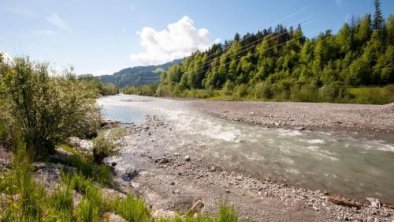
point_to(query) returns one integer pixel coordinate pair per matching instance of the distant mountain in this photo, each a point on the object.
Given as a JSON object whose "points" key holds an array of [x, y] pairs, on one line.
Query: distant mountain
{"points": [[136, 76]]}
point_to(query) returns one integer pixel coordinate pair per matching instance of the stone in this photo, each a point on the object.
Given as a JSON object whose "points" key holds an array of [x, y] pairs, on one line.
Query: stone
{"points": [[129, 174], [162, 160], [300, 128], [196, 208], [375, 203], [163, 214], [187, 158], [110, 217], [173, 183]]}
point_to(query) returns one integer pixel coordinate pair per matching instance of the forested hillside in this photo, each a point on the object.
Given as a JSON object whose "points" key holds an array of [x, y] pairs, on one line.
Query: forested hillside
{"points": [[136, 76], [282, 64]]}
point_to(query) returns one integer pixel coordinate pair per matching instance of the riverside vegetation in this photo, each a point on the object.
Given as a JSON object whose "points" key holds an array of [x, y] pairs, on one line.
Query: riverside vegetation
{"points": [[354, 65], [38, 113]]}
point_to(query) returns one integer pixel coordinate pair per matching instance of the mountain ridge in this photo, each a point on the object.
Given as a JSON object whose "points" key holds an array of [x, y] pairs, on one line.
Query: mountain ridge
{"points": [[138, 75]]}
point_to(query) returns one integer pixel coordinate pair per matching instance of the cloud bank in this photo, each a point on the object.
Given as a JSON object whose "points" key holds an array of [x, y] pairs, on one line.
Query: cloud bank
{"points": [[178, 40]]}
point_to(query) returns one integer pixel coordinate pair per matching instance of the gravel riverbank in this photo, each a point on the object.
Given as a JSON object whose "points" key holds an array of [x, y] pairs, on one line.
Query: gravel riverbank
{"points": [[173, 179], [354, 117]]}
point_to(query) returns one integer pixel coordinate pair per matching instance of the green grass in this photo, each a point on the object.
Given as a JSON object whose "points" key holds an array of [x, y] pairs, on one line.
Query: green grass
{"points": [[132, 209], [61, 202], [28, 201], [25, 197], [86, 167], [372, 95]]}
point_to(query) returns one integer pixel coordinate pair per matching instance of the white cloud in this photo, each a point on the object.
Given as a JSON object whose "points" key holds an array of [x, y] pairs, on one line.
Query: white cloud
{"points": [[58, 22], [178, 40]]}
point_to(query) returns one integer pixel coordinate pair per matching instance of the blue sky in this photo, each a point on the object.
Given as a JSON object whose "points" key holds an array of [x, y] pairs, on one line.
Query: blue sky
{"points": [[104, 36]]}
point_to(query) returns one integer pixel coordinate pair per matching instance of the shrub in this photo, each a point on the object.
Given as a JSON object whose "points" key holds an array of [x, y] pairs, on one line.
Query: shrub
{"points": [[106, 144], [47, 109]]}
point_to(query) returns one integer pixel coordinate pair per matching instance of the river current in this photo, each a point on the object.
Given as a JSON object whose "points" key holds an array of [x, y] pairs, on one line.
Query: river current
{"points": [[358, 165]]}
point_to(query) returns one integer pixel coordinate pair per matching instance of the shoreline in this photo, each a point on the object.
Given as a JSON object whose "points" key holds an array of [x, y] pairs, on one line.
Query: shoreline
{"points": [[169, 182], [304, 116]]}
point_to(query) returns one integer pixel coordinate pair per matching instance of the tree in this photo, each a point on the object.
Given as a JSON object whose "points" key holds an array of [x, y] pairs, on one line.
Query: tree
{"points": [[47, 109], [378, 21]]}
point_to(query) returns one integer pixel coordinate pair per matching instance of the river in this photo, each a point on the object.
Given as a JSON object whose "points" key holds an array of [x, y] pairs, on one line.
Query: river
{"points": [[358, 165]]}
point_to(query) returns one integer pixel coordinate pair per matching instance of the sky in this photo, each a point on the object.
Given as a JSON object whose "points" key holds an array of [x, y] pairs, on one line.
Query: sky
{"points": [[102, 37]]}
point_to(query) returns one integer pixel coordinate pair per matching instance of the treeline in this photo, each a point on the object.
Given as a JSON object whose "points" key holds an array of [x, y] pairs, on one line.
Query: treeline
{"points": [[282, 64], [103, 89], [146, 90]]}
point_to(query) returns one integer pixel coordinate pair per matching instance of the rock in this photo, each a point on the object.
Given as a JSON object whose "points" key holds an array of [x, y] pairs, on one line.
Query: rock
{"points": [[163, 214], [112, 194], [375, 203], [300, 128], [196, 208], [162, 160], [129, 174], [83, 146], [176, 191], [173, 183], [339, 200], [187, 158], [110, 217]]}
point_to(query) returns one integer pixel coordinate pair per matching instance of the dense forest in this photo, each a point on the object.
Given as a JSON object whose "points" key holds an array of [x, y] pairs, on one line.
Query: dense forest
{"points": [[282, 64]]}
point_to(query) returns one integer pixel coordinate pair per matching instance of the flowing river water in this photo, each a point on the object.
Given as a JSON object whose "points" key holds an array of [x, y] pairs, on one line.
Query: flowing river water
{"points": [[350, 163]]}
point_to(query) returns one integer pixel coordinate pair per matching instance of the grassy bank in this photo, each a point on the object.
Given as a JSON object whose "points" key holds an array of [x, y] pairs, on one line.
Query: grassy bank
{"points": [[78, 196]]}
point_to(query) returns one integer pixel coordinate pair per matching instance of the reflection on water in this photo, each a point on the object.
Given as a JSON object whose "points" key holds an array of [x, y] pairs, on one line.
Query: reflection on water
{"points": [[358, 165]]}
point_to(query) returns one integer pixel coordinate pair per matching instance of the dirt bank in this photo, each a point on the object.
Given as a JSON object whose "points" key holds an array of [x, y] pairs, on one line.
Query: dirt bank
{"points": [[173, 178], [331, 116]]}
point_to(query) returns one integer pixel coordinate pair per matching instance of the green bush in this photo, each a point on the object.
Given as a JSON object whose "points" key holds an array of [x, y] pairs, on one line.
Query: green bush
{"points": [[47, 109], [106, 144]]}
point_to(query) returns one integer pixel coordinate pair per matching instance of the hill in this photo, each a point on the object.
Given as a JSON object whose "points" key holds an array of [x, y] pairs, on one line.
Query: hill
{"points": [[136, 76], [282, 64]]}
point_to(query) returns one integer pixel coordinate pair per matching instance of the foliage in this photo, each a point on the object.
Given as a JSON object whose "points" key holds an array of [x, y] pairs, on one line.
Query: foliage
{"points": [[87, 169], [24, 196], [132, 209], [147, 90], [106, 144], [94, 84], [46, 109], [282, 64]]}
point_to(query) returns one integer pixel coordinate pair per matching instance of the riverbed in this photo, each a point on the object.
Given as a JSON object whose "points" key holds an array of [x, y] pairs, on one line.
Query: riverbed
{"points": [[356, 164]]}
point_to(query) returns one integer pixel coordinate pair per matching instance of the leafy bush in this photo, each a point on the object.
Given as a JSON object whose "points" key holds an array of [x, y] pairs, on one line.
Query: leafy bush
{"points": [[47, 109]]}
